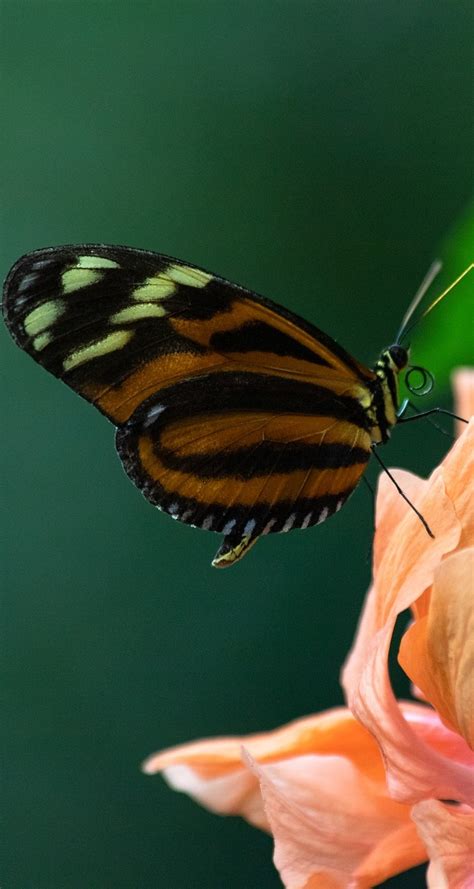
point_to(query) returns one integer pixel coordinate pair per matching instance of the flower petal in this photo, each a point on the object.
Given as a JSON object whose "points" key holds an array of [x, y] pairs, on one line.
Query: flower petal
{"points": [[319, 785], [448, 833], [212, 772], [333, 827], [391, 511], [458, 472], [236, 793], [404, 560], [404, 570], [422, 757], [463, 385], [329, 732], [437, 651]]}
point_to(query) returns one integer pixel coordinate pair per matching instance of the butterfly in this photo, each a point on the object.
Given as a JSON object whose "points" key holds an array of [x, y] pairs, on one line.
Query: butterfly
{"points": [[233, 414]]}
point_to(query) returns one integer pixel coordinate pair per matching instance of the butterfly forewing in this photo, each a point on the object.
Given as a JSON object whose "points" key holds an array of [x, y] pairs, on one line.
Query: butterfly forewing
{"points": [[234, 414]]}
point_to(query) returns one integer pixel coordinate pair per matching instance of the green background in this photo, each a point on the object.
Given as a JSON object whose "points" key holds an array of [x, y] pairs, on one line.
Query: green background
{"points": [[318, 152]]}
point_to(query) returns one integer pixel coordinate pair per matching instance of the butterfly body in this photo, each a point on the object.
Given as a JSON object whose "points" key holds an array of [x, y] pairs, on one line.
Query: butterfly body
{"points": [[232, 414]]}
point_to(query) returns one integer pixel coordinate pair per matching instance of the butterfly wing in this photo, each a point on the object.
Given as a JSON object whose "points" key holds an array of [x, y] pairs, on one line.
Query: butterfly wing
{"points": [[245, 453], [234, 414], [116, 324]]}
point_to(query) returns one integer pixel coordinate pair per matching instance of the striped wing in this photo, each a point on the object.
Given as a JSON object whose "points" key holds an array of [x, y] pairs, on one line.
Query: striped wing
{"points": [[234, 414], [246, 453]]}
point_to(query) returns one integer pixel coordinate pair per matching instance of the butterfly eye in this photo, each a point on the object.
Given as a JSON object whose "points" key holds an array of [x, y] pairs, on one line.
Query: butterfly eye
{"points": [[399, 356], [419, 380]]}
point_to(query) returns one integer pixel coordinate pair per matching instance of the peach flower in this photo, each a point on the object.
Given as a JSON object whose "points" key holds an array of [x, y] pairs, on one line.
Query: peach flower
{"points": [[354, 796], [463, 384], [318, 785], [433, 578]]}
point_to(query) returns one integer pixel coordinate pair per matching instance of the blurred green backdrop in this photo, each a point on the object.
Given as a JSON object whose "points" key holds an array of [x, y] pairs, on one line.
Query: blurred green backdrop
{"points": [[318, 152]]}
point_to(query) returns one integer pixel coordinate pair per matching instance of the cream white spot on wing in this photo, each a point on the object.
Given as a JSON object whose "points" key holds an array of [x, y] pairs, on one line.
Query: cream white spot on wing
{"points": [[183, 274], [43, 263], [323, 515], [340, 504], [249, 527], [289, 523], [306, 520], [186, 515], [173, 509], [96, 262], [75, 279], [42, 340], [228, 526], [137, 312], [153, 413], [43, 316], [207, 523], [27, 281], [268, 527], [109, 343], [155, 288]]}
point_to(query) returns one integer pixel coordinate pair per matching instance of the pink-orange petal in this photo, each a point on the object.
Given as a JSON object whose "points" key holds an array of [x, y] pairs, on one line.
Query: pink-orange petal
{"points": [[380, 600], [211, 771], [333, 827], [333, 731], [463, 385], [404, 570], [448, 834], [391, 508], [410, 556], [458, 473], [437, 651], [416, 762], [405, 560], [235, 793]]}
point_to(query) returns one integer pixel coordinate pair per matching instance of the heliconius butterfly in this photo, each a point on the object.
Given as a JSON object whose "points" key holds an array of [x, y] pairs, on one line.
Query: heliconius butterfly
{"points": [[233, 414]]}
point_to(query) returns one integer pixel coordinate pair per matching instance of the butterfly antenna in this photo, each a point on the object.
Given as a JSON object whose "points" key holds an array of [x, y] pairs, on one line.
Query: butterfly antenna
{"points": [[425, 285], [438, 299]]}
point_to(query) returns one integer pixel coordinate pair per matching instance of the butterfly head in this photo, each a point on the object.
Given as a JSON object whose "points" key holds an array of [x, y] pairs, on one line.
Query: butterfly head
{"points": [[391, 362]]}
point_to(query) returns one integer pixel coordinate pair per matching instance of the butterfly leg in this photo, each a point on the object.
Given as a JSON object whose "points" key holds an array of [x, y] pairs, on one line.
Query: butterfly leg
{"points": [[233, 548], [402, 494], [373, 499], [420, 415], [426, 415]]}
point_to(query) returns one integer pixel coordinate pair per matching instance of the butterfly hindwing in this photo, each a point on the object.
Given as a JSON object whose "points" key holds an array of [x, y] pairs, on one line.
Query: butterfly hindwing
{"points": [[242, 453]]}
